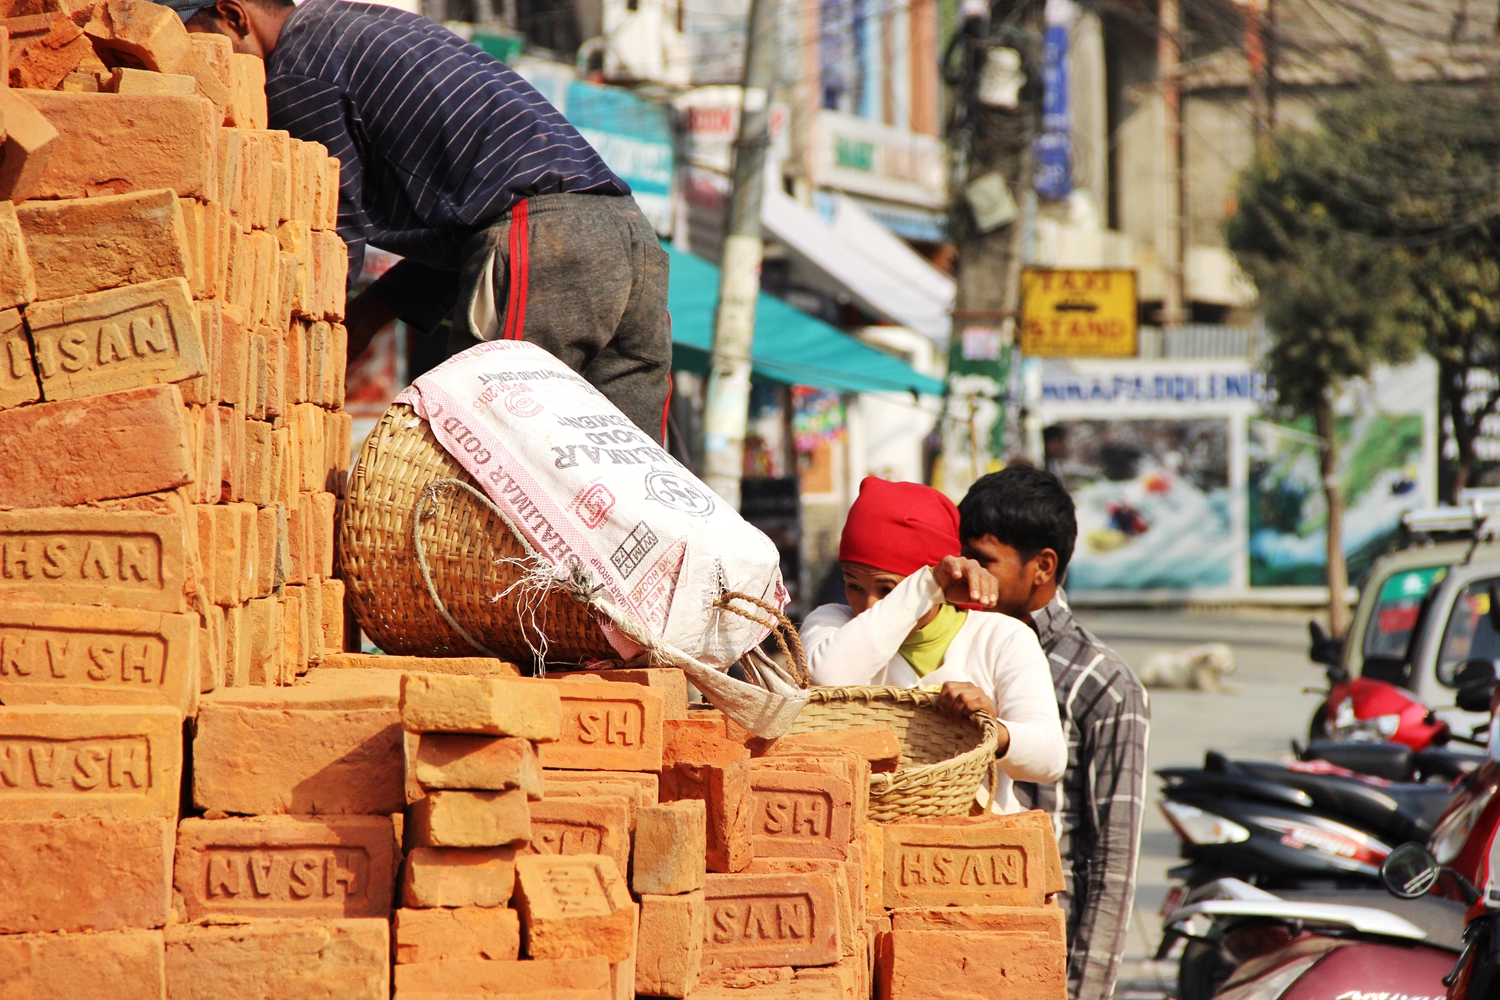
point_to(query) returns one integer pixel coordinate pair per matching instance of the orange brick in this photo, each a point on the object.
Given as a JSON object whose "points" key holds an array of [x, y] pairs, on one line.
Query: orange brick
{"points": [[975, 951], [118, 965], [671, 842], [215, 50], [582, 825], [247, 98], [799, 815], [574, 979], [192, 226], [293, 635], [172, 144], [84, 873], [286, 959], [286, 291], [286, 866], [263, 621], [331, 186], [575, 907], [322, 510], [231, 455], [759, 921], [256, 484], [84, 245], [846, 883], [487, 763], [18, 384], [269, 761], [469, 819], [233, 359], [312, 611], [123, 762], [877, 744], [237, 646], [270, 527], [44, 49], [17, 272], [440, 876], [836, 761], [339, 349], [30, 140], [670, 682], [671, 944], [872, 854], [973, 864], [725, 791], [211, 648], [449, 703], [118, 339], [478, 666], [259, 376], [333, 617], [467, 932], [228, 535], [607, 726], [645, 787]]}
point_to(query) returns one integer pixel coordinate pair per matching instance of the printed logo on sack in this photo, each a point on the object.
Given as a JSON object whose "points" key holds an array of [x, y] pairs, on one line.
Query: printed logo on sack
{"points": [[634, 549], [520, 401], [674, 490], [593, 504]]}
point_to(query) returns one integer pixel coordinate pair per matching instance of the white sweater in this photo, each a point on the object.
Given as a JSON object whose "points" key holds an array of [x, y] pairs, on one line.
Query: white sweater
{"points": [[993, 651]]}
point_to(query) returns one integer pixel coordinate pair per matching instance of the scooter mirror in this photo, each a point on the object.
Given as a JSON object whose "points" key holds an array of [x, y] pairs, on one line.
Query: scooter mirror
{"points": [[1475, 698], [1410, 871]]}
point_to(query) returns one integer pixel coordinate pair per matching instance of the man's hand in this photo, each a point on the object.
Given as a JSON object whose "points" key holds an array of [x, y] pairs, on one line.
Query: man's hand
{"points": [[964, 581], [364, 317]]}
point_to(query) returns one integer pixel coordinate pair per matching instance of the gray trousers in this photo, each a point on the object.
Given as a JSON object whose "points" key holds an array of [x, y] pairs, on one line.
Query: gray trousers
{"points": [[595, 297]]}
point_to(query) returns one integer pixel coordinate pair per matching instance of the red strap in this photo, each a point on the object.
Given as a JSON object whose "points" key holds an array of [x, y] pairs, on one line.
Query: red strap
{"points": [[520, 272], [666, 410]]}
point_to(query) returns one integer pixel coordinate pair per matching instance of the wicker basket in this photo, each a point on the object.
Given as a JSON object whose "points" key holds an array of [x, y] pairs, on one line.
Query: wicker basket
{"points": [[471, 553], [944, 759]]}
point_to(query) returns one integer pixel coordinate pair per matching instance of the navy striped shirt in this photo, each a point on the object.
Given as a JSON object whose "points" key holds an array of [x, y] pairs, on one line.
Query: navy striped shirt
{"points": [[436, 138]]}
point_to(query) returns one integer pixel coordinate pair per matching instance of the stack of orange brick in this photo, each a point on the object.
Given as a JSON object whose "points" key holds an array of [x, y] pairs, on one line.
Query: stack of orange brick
{"points": [[170, 392], [478, 782], [173, 360]]}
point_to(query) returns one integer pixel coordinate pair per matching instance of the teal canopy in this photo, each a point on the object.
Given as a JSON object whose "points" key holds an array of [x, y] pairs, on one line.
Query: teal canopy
{"points": [[790, 346]]}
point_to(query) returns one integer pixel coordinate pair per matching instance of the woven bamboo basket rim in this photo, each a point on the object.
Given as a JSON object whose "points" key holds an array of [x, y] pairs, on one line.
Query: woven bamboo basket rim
{"points": [[938, 787]]}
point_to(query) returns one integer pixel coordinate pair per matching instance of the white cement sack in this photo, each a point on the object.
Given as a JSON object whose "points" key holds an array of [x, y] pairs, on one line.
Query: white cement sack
{"points": [[606, 507]]}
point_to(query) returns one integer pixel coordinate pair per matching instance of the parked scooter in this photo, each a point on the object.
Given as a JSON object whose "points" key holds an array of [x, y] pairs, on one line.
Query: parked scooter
{"points": [[1461, 863]]}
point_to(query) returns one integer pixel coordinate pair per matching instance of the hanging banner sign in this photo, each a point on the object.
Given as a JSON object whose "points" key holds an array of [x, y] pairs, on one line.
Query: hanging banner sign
{"points": [[1078, 313]]}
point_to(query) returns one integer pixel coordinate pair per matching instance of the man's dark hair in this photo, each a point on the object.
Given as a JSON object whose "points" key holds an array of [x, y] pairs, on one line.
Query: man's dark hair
{"points": [[207, 17], [1023, 507]]}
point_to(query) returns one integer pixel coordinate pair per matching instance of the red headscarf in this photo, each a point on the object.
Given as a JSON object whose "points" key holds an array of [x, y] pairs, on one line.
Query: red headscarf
{"points": [[899, 527]]}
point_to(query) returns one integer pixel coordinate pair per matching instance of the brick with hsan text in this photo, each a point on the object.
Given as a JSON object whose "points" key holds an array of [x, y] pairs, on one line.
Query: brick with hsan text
{"points": [[84, 873], [18, 384], [123, 762], [974, 864], [772, 920], [575, 907], [287, 959], [71, 452], [258, 761], [453, 876], [584, 825], [607, 726], [468, 932], [76, 655], [286, 866]]}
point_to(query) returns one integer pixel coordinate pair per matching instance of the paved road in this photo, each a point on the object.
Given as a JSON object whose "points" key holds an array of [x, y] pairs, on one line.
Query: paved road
{"points": [[1261, 715]]}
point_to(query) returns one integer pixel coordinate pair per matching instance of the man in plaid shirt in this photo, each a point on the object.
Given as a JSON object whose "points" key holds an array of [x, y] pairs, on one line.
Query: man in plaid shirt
{"points": [[1019, 523]]}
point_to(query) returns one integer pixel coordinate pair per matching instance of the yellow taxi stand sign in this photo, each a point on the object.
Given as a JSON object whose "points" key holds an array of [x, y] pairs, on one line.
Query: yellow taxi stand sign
{"points": [[1076, 313]]}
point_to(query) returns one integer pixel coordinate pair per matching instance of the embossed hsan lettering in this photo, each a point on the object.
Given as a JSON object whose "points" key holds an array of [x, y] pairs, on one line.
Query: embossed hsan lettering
{"points": [[616, 725], [77, 658], [103, 765], [760, 921], [86, 558], [136, 336], [997, 867], [795, 814], [279, 875]]}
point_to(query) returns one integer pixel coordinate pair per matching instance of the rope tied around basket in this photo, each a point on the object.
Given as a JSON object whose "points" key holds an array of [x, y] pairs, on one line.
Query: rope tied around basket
{"points": [[779, 625]]}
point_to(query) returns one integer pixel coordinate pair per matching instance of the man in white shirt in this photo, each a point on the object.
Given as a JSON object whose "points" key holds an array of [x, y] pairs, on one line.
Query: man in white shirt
{"points": [[903, 578]]}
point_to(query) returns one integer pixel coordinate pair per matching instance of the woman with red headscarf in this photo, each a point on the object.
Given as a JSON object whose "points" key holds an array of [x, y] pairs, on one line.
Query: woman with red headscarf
{"points": [[904, 579]]}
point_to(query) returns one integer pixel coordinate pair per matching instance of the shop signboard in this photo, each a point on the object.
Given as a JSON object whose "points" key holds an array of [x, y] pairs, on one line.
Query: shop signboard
{"points": [[867, 157], [633, 136], [1077, 313]]}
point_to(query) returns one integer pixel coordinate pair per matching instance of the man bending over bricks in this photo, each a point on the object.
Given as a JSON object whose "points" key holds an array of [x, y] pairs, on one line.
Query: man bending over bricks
{"points": [[1020, 525], [509, 223]]}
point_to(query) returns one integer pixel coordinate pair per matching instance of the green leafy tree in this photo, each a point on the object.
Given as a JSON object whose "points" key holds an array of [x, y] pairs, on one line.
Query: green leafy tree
{"points": [[1331, 299]]}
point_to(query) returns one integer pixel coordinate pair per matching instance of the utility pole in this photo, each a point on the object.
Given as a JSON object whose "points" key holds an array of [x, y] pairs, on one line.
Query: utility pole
{"points": [[727, 406], [1168, 59]]}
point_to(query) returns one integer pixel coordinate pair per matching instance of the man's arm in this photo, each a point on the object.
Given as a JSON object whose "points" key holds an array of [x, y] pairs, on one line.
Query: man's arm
{"points": [[855, 652], [1114, 727]]}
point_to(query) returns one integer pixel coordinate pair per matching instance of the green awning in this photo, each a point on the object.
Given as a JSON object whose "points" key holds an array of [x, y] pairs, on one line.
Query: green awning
{"points": [[790, 346]]}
